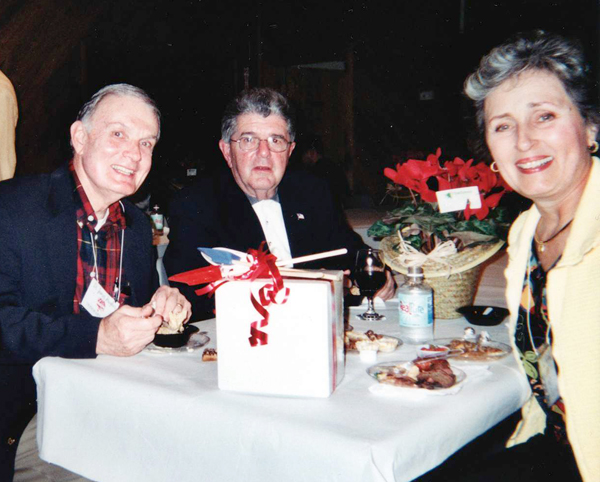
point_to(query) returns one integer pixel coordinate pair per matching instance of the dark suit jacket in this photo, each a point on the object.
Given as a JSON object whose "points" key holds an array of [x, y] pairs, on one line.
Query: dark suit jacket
{"points": [[38, 266], [215, 212]]}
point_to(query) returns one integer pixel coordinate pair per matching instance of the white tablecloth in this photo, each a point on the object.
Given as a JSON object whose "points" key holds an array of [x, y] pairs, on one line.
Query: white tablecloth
{"points": [[155, 417]]}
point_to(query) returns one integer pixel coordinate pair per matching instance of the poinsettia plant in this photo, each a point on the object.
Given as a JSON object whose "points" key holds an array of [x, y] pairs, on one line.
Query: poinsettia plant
{"points": [[418, 218]]}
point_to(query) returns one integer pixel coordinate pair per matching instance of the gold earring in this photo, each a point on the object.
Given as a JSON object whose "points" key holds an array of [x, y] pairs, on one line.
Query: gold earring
{"points": [[594, 147], [494, 167]]}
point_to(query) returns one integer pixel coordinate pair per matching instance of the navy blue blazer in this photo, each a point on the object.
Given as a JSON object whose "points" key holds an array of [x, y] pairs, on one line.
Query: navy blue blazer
{"points": [[215, 212], [38, 267]]}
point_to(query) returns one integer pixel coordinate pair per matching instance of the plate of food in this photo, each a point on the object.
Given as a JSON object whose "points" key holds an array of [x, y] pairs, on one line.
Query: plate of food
{"points": [[196, 339], [475, 348], [420, 374], [385, 344]]}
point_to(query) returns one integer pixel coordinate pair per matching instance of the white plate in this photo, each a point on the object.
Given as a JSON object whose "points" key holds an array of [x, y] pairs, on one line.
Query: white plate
{"points": [[196, 341], [400, 343], [483, 358], [380, 367]]}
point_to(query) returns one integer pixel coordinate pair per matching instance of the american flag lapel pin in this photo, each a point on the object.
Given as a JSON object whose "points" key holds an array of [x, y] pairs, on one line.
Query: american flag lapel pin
{"points": [[300, 216]]}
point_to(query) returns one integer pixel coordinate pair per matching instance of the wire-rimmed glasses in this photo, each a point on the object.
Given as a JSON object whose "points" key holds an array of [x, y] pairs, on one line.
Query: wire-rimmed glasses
{"points": [[252, 143]]}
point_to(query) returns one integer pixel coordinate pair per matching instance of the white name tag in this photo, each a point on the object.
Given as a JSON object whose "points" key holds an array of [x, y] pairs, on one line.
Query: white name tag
{"points": [[457, 199], [98, 302]]}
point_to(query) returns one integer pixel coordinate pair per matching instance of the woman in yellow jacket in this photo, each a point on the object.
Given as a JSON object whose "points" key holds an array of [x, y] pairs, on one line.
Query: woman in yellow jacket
{"points": [[534, 109]]}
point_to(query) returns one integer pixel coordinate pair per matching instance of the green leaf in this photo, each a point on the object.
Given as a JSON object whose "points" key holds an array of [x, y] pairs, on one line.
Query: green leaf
{"points": [[381, 230], [443, 226]]}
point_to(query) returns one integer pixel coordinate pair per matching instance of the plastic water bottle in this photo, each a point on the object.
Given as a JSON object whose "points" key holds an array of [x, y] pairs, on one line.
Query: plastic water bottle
{"points": [[415, 305]]}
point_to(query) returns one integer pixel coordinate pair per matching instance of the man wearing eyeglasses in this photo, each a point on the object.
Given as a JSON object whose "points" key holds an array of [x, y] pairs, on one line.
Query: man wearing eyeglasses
{"points": [[259, 201]]}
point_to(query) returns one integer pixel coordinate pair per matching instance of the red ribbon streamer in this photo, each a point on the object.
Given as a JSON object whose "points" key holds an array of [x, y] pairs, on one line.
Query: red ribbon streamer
{"points": [[263, 266]]}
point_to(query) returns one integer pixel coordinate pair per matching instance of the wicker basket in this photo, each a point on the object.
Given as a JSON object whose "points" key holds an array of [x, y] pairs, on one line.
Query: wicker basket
{"points": [[452, 287]]}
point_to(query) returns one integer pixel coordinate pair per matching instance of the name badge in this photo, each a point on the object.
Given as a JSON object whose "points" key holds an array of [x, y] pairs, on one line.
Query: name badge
{"points": [[457, 199], [548, 374], [97, 301]]}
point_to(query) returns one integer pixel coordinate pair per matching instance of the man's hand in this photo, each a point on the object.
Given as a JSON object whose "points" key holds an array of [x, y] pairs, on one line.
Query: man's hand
{"points": [[167, 300], [127, 331], [385, 293], [389, 288]]}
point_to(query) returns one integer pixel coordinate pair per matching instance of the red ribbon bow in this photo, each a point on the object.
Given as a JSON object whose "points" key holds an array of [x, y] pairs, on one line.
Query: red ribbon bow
{"points": [[263, 266]]}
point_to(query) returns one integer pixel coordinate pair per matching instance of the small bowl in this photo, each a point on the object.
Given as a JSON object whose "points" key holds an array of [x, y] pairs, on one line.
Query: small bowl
{"points": [[176, 340], [484, 315], [430, 350]]}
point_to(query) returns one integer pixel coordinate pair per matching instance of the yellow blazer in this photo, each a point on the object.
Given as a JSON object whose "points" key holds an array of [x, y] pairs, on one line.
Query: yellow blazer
{"points": [[8, 122], [573, 294]]}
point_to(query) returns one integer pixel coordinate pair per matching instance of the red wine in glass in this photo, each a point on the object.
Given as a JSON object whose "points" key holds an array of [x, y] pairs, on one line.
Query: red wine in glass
{"points": [[370, 277], [370, 282]]}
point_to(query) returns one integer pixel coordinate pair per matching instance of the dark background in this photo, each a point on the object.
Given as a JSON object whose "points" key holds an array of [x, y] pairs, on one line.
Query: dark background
{"points": [[193, 56]]}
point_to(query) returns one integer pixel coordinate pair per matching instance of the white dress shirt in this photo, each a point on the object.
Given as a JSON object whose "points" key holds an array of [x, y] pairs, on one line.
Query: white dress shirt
{"points": [[271, 219]]}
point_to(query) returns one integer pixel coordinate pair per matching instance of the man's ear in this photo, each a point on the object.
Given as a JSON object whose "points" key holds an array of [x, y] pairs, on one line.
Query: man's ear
{"points": [[226, 151], [291, 148], [79, 136]]}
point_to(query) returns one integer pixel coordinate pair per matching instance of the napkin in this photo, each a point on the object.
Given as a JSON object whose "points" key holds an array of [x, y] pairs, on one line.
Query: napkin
{"points": [[406, 393]]}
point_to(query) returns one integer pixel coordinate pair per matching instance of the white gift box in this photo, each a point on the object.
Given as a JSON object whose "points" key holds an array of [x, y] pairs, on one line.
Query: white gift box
{"points": [[304, 353]]}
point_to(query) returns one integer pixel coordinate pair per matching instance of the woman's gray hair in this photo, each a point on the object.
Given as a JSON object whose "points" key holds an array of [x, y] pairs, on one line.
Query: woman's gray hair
{"points": [[125, 90], [263, 101], [536, 50]]}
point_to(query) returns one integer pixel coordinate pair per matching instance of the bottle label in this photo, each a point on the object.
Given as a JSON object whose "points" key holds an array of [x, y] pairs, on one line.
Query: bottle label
{"points": [[158, 220], [415, 310]]}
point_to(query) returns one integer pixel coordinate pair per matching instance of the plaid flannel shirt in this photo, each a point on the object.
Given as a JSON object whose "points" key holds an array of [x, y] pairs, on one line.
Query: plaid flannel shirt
{"points": [[107, 243]]}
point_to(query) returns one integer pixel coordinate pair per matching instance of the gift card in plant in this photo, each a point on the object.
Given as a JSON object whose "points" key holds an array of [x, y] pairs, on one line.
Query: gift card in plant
{"points": [[458, 199]]}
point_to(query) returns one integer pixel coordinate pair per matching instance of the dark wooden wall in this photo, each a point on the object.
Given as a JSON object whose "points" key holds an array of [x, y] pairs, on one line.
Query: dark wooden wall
{"points": [[41, 52], [191, 56]]}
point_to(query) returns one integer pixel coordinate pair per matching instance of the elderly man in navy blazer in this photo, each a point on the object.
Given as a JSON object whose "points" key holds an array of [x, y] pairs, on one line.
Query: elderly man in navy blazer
{"points": [[258, 200], [77, 272]]}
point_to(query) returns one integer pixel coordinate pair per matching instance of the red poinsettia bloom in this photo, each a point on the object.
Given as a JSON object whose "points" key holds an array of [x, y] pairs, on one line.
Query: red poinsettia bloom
{"points": [[479, 213], [465, 172], [487, 203], [482, 176], [414, 175], [503, 184], [493, 200], [426, 193], [458, 173], [446, 183], [393, 174], [451, 167]]}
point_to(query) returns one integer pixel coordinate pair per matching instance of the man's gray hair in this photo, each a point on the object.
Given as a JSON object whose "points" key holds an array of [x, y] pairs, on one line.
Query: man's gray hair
{"points": [[535, 50], [263, 101], [123, 90]]}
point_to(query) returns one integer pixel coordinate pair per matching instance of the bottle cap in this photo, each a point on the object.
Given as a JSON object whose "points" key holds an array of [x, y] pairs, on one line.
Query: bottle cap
{"points": [[415, 271]]}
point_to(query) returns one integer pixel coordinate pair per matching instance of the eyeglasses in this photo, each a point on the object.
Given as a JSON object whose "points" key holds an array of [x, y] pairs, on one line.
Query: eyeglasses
{"points": [[251, 143]]}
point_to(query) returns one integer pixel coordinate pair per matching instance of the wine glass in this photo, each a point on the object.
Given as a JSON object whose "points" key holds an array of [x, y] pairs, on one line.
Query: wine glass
{"points": [[369, 275]]}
